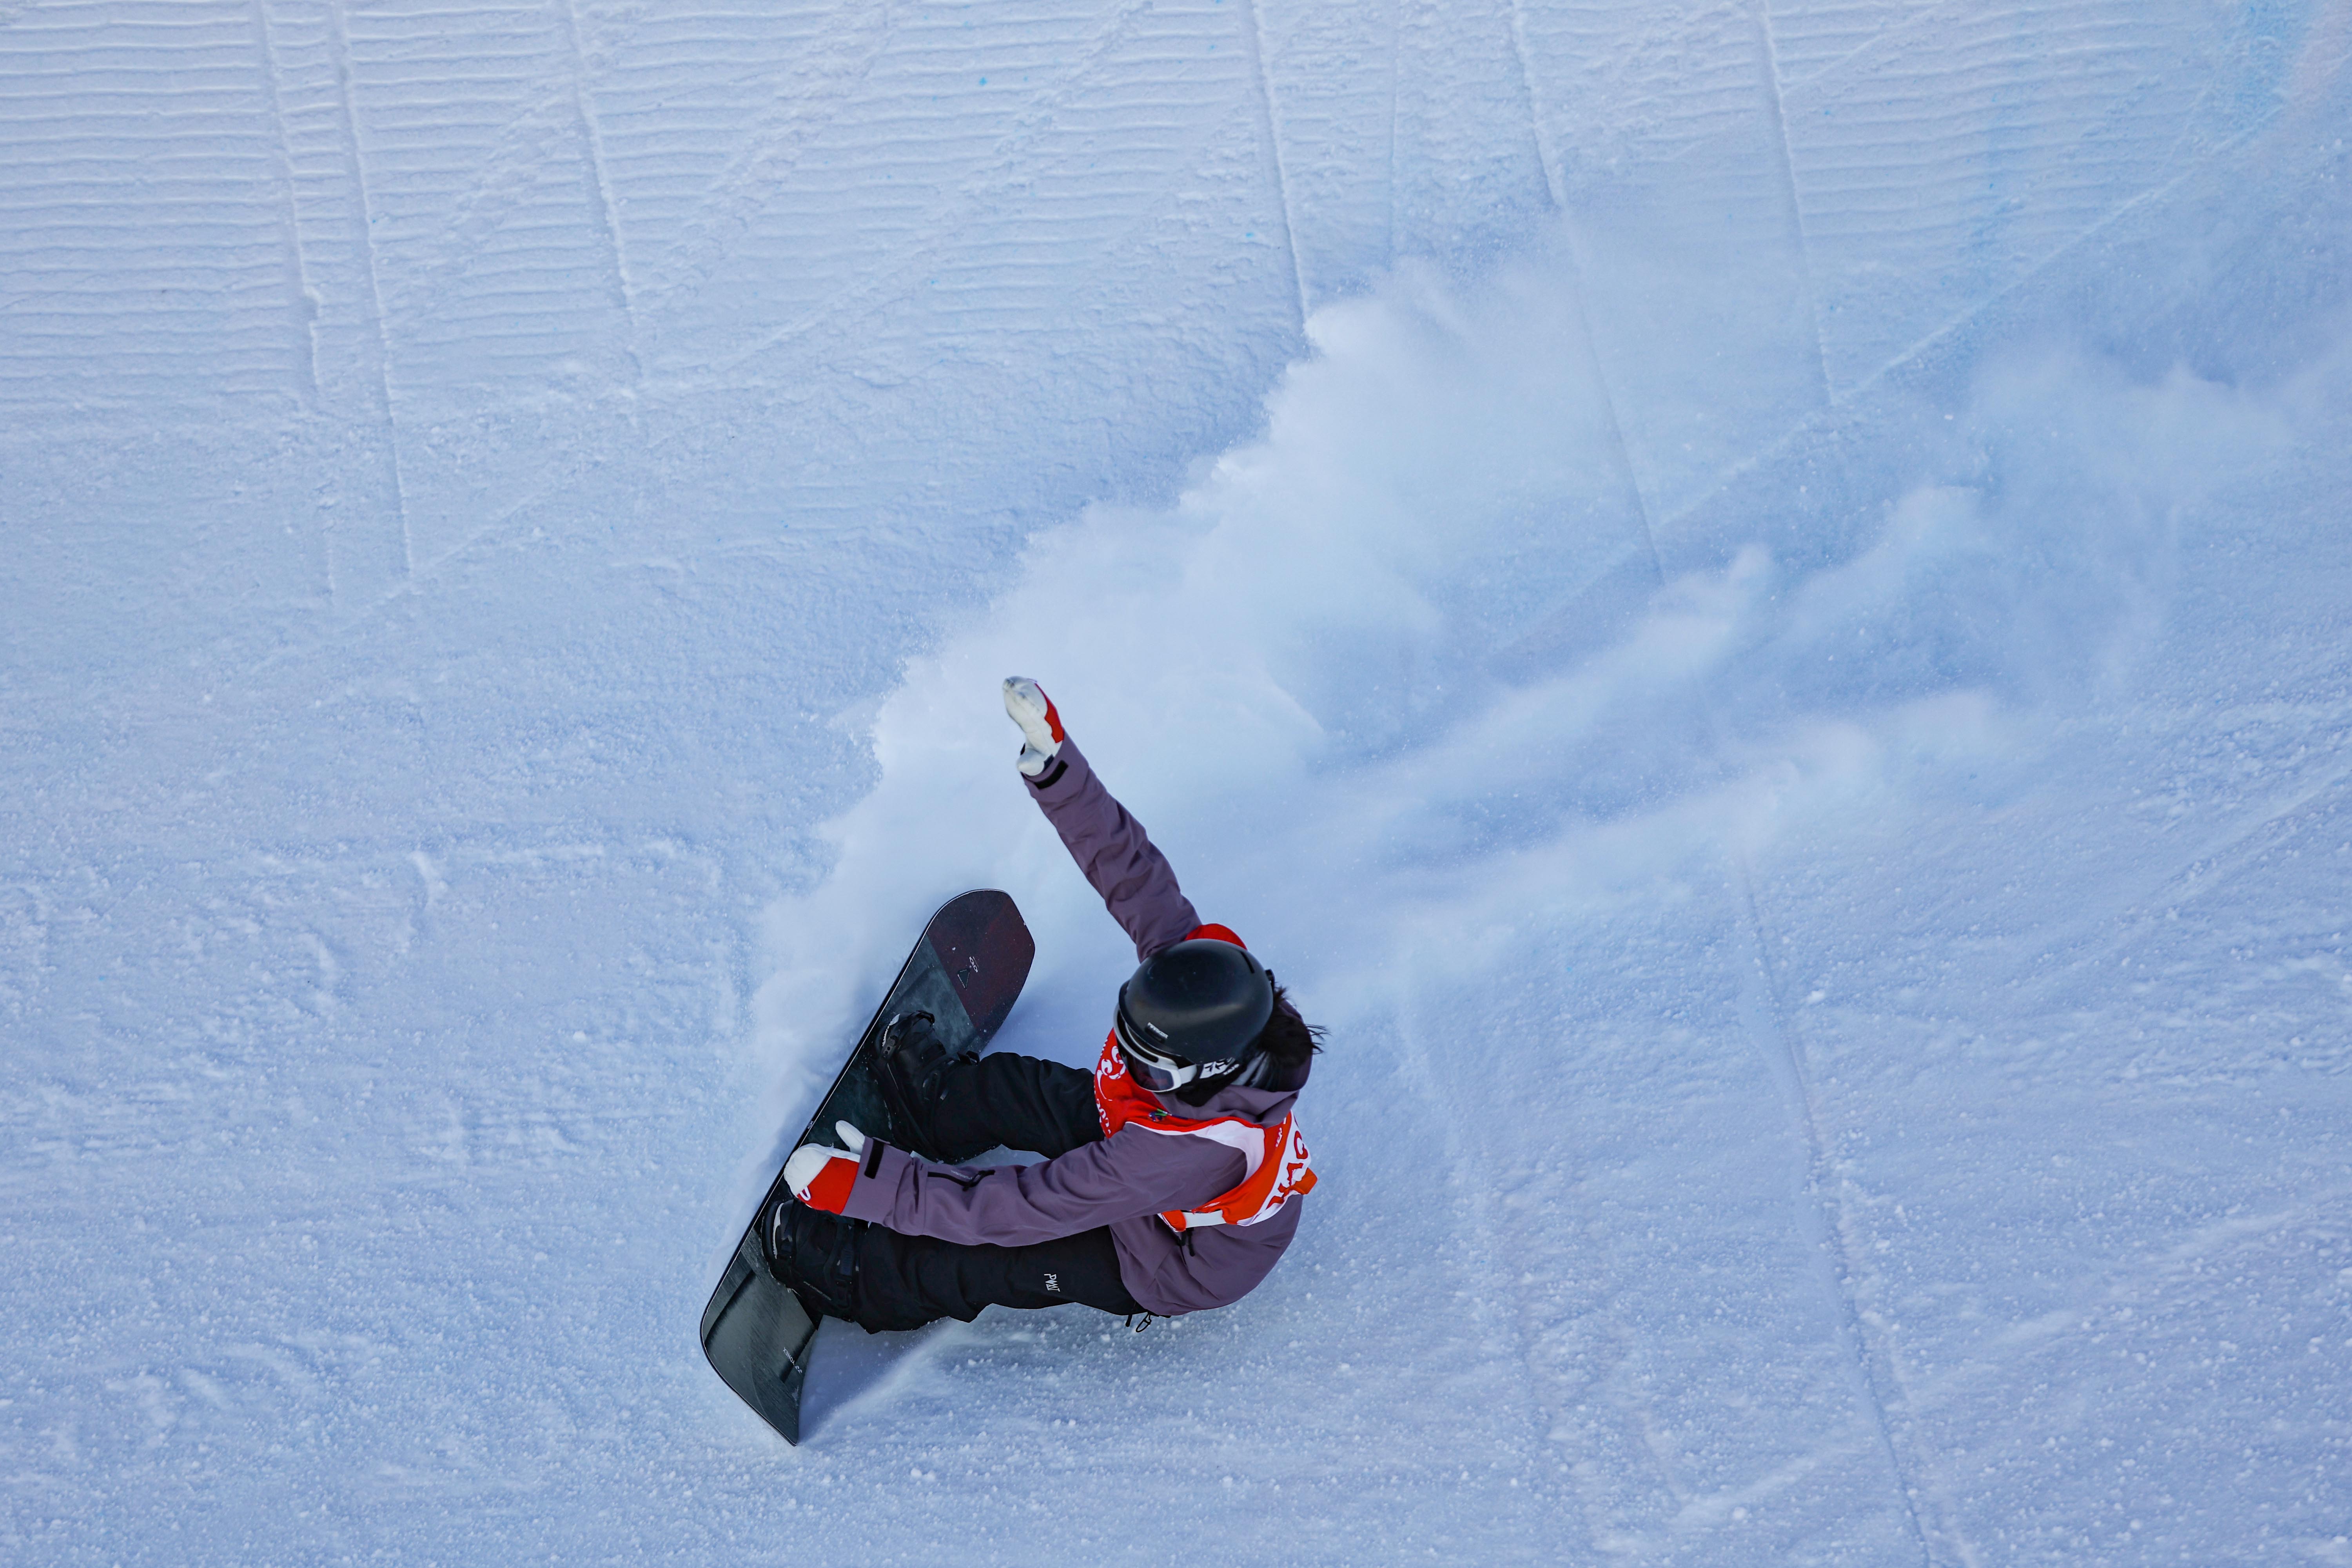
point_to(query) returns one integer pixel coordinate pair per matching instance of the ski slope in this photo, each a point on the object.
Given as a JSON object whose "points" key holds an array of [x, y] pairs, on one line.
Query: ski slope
{"points": [[1748, 600]]}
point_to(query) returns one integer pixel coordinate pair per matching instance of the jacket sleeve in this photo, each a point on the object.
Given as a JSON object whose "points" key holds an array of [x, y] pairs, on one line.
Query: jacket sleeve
{"points": [[1137, 884], [1131, 1173]]}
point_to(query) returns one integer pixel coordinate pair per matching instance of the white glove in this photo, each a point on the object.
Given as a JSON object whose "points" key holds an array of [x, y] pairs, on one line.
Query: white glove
{"points": [[1041, 727], [822, 1177]]}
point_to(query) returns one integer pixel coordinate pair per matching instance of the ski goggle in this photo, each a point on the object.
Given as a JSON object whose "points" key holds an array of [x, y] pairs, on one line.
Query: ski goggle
{"points": [[1156, 1071]]}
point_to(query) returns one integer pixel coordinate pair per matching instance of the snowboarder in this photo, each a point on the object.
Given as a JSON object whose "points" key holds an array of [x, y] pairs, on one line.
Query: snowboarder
{"points": [[1173, 1173]]}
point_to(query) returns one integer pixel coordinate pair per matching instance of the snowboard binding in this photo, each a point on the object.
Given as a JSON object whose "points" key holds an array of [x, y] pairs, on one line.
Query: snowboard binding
{"points": [[811, 1253], [912, 1064]]}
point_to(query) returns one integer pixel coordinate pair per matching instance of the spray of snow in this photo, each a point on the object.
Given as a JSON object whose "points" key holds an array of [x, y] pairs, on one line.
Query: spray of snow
{"points": [[1330, 676]]}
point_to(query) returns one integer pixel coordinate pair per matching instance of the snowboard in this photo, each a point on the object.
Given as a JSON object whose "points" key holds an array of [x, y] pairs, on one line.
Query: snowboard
{"points": [[966, 969]]}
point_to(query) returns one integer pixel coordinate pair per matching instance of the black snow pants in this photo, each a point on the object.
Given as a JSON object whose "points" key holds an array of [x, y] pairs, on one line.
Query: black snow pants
{"points": [[1014, 1102]]}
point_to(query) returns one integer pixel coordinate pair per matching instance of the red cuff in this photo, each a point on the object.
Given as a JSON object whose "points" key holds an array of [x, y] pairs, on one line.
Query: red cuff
{"points": [[830, 1190], [1216, 933]]}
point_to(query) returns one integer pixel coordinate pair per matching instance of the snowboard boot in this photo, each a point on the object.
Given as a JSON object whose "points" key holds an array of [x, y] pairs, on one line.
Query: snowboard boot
{"points": [[813, 1255], [913, 1068]]}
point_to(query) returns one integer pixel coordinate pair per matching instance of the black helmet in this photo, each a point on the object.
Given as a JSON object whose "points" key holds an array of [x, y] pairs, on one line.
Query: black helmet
{"points": [[1192, 1011]]}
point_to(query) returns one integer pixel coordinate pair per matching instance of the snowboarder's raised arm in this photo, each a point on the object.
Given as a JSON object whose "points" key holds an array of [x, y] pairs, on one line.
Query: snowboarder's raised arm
{"points": [[1137, 884]]}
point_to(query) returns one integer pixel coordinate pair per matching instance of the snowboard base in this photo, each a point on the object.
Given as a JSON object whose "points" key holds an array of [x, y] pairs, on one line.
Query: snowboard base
{"points": [[966, 970]]}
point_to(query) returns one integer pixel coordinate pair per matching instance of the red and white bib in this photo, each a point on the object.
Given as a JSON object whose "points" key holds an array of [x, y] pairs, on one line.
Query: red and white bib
{"points": [[1277, 1167]]}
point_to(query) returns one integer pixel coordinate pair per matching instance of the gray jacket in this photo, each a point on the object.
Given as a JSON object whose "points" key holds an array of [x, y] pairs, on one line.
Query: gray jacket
{"points": [[1125, 1181]]}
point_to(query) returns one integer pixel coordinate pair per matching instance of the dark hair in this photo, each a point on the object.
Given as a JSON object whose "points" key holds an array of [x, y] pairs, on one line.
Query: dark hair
{"points": [[1277, 1059], [1287, 1040]]}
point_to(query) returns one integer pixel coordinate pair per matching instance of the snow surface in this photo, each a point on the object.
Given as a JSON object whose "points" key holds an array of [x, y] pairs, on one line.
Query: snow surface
{"points": [[1749, 601]]}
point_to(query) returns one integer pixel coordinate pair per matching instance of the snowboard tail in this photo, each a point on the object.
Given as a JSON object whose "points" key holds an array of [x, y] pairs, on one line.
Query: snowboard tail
{"points": [[966, 972]]}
